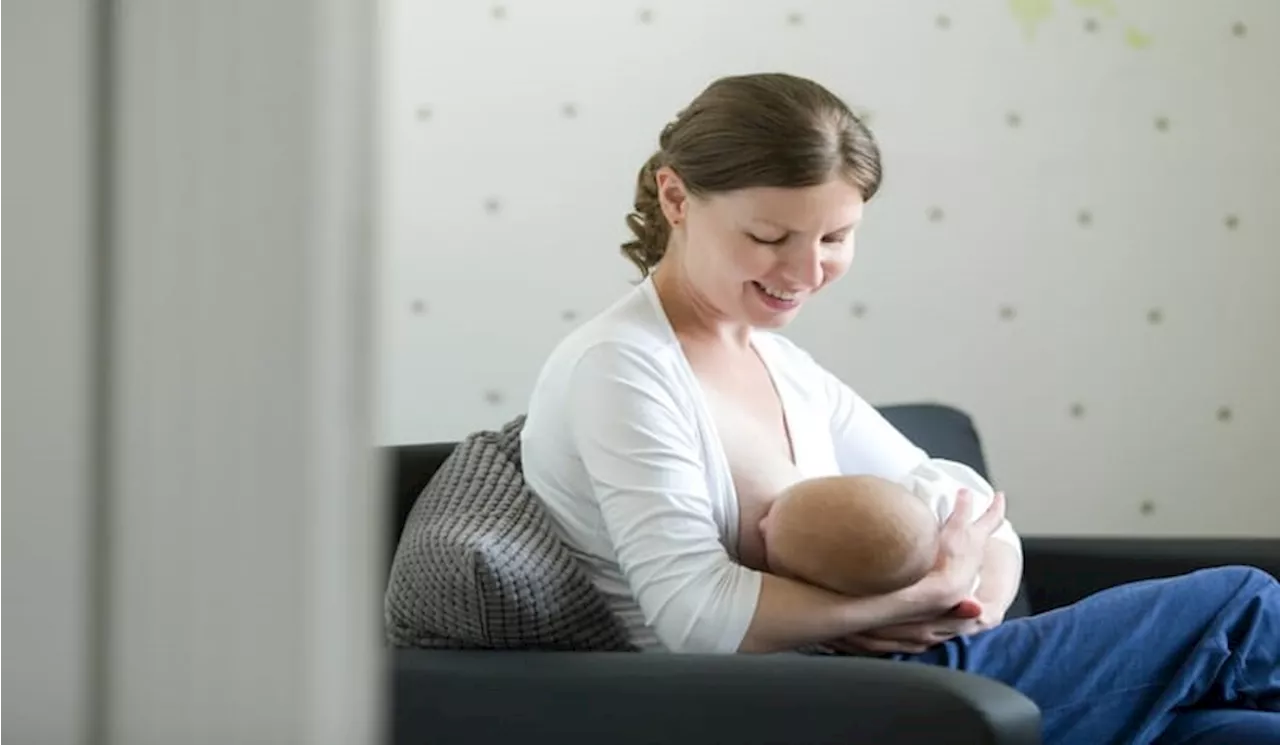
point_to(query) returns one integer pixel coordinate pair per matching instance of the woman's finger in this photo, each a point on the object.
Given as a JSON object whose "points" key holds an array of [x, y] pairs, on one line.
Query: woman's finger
{"points": [[887, 646], [922, 633], [993, 517], [960, 516], [968, 608], [908, 633]]}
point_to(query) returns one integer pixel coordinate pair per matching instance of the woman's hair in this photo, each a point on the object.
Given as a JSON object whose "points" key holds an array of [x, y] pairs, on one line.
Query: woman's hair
{"points": [[770, 129]]}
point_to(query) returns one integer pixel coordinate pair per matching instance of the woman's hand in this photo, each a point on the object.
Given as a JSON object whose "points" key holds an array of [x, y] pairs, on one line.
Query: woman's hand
{"points": [[962, 543], [946, 588], [968, 617]]}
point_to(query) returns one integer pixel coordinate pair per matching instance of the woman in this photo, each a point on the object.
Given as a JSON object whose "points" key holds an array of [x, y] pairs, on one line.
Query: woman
{"points": [[649, 425]]}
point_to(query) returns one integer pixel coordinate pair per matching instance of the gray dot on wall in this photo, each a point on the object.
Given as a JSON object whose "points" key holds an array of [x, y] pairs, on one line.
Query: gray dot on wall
{"points": [[1085, 218], [942, 21], [1013, 119], [1155, 316], [569, 315], [795, 19], [858, 310], [645, 15], [1239, 29], [1091, 25], [1162, 123], [423, 113], [1008, 313], [498, 12], [492, 205], [569, 111], [1224, 413], [418, 307], [1147, 507], [934, 214], [493, 397], [1077, 410], [1231, 222]]}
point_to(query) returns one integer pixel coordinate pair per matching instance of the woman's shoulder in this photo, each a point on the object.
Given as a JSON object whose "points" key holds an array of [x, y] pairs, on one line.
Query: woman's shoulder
{"points": [[624, 362], [630, 338]]}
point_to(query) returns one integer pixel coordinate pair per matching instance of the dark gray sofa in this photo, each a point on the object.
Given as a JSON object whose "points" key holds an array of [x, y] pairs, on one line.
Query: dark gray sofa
{"points": [[472, 697]]}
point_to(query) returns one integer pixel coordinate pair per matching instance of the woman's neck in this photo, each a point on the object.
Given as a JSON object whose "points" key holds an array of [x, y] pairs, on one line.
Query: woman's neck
{"points": [[692, 316]]}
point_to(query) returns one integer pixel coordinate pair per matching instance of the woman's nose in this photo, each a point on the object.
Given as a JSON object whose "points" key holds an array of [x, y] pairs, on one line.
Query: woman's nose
{"points": [[804, 266]]}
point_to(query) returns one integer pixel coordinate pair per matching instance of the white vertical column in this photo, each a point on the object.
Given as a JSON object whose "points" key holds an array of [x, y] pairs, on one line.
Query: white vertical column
{"points": [[49, 291], [244, 602]]}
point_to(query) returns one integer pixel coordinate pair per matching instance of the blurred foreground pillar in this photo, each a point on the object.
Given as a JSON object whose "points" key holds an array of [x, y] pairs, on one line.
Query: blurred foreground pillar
{"points": [[196, 531]]}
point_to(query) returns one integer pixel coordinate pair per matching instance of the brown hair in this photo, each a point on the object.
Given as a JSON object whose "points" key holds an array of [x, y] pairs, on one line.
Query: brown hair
{"points": [[769, 129]]}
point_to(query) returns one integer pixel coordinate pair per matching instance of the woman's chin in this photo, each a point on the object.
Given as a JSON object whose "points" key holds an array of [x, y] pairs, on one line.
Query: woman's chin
{"points": [[768, 311], [773, 320]]}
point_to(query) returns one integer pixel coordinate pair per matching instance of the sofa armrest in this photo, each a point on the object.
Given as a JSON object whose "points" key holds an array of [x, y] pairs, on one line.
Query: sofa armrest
{"points": [[623, 698], [1060, 571]]}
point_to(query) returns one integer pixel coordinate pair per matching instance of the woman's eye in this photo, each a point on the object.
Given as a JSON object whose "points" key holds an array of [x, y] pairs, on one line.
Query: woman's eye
{"points": [[767, 241], [839, 238]]}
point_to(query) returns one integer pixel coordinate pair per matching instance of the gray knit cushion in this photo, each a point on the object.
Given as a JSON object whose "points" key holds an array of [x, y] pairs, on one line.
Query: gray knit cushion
{"points": [[479, 566]]}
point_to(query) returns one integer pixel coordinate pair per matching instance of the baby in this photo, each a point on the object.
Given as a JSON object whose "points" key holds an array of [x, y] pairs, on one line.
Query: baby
{"points": [[865, 535]]}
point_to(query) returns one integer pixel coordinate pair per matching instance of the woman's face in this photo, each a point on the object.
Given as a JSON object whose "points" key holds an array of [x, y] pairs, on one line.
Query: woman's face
{"points": [[756, 255]]}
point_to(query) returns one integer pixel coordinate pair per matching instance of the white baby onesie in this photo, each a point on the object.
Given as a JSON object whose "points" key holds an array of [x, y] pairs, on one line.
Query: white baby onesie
{"points": [[937, 482]]}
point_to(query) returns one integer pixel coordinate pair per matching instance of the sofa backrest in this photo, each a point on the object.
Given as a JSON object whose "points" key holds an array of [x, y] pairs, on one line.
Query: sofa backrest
{"points": [[411, 468]]}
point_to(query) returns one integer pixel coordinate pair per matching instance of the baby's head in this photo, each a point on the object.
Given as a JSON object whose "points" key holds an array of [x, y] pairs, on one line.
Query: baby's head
{"points": [[854, 535]]}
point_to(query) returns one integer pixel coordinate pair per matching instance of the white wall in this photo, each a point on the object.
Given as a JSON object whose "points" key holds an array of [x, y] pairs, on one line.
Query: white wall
{"points": [[49, 613], [1106, 171]]}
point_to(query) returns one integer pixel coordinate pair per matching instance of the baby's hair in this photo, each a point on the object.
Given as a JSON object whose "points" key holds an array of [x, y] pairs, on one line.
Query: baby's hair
{"points": [[744, 131], [853, 535]]}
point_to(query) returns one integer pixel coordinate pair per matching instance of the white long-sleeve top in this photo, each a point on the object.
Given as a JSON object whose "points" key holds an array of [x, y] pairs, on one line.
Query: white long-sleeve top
{"points": [[620, 446]]}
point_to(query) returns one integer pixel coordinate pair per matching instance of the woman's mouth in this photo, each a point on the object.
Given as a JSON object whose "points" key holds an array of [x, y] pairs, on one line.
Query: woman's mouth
{"points": [[776, 299]]}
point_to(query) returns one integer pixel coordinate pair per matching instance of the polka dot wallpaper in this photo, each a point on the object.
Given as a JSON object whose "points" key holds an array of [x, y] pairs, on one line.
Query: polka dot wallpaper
{"points": [[1076, 240]]}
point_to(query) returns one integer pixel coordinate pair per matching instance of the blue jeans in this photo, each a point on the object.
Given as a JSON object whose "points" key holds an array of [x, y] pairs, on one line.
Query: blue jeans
{"points": [[1190, 659]]}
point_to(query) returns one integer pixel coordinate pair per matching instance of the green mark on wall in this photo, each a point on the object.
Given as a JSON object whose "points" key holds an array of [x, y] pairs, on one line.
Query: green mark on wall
{"points": [[1030, 14], [1136, 39]]}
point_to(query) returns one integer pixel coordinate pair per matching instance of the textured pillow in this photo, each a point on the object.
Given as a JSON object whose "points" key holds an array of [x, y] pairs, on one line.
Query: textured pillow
{"points": [[479, 566]]}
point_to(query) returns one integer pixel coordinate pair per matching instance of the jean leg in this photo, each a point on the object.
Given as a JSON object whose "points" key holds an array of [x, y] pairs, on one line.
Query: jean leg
{"points": [[1223, 727], [1118, 666]]}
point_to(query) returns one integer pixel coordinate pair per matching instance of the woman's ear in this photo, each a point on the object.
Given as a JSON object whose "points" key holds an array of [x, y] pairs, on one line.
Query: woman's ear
{"points": [[672, 195]]}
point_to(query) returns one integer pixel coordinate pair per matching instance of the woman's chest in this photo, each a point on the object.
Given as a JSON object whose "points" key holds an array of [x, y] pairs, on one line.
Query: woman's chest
{"points": [[771, 433]]}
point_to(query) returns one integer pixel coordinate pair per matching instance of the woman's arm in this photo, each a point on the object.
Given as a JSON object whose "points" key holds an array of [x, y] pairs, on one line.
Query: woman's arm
{"points": [[865, 442], [642, 452], [792, 614], [967, 550]]}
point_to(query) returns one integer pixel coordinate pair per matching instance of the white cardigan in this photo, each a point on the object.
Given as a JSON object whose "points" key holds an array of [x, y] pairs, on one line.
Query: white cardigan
{"points": [[620, 446]]}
